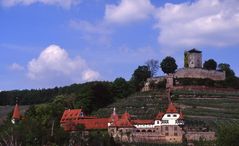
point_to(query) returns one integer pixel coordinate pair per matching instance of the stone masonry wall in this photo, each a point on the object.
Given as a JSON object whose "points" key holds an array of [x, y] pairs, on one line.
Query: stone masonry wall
{"points": [[199, 73], [196, 136]]}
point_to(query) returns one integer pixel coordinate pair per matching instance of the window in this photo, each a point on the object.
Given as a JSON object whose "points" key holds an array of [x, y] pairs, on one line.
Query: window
{"points": [[157, 122], [149, 131], [168, 115], [166, 134], [164, 121], [175, 134], [174, 115], [175, 128]]}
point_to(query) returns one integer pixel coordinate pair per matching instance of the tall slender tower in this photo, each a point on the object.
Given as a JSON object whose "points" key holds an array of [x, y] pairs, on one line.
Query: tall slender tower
{"points": [[16, 113]]}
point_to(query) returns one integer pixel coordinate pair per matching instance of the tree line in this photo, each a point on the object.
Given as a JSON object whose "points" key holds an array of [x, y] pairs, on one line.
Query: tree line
{"points": [[107, 92]]}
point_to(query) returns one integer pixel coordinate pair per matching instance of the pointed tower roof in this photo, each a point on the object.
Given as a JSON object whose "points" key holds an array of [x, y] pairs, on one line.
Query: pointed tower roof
{"points": [[171, 108], [16, 113], [126, 115]]}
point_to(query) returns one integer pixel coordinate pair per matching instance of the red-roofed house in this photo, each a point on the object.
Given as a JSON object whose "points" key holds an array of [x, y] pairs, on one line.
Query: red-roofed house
{"points": [[71, 119]]}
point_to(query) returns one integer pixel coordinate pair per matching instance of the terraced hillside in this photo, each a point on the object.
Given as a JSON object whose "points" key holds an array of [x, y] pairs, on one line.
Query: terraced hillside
{"points": [[195, 105], [208, 105], [140, 105]]}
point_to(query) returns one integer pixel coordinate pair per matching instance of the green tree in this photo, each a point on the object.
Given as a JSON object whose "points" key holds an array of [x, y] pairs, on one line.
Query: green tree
{"points": [[185, 59], [168, 65], [228, 134], [139, 77], [210, 64], [153, 66], [226, 67], [121, 88]]}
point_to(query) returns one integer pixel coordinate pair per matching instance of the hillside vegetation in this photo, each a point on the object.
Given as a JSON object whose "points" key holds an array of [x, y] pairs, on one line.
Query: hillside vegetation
{"points": [[194, 104]]}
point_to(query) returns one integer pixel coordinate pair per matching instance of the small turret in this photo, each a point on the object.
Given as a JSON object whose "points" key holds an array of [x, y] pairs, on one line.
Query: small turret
{"points": [[16, 116]]}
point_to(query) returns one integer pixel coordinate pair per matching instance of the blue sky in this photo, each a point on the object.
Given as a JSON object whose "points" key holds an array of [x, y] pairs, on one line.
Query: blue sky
{"points": [[48, 43]]}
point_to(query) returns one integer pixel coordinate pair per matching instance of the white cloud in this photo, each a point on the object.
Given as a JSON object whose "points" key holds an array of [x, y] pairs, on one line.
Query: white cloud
{"points": [[203, 23], [128, 11], [16, 67], [90, 75], [54, 64], [62, 3]]}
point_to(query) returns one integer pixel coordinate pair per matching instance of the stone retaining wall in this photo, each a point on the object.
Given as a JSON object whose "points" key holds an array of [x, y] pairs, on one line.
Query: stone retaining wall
{"points": [[200, 73]]}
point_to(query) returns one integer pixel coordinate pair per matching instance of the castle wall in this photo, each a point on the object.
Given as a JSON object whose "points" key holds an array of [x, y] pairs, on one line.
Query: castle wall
{"points": [[205, 88], [156, 80], [199, 73], [196, 136], [158, 134]]}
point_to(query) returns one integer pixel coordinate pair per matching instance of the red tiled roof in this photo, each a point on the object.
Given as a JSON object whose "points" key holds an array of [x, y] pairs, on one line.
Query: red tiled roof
{"points": [[140, 122], [16, 113], [99, 123], [126, 115], [171, 108], [71, 118], [71, 115], [159, 116], [123, 123], [114, 118]]}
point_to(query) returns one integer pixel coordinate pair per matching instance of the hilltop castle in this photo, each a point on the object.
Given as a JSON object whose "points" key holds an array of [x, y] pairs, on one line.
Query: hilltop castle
{"points": [[192, 69]]}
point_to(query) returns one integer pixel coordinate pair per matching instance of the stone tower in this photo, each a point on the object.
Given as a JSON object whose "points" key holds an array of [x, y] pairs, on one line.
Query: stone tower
{"points": [[193, 59]]}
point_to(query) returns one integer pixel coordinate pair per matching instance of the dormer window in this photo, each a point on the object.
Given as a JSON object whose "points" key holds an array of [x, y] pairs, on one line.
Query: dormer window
{"points": [[81, 114]]}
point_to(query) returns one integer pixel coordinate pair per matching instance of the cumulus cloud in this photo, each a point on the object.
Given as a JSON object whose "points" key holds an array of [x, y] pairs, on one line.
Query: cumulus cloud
{"points": [[128, 11], [203, 23], [90, 75], [16, 67], [62, 3], [54, 64]]}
